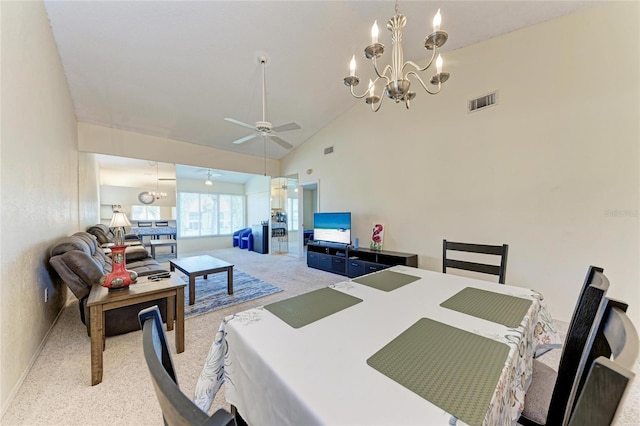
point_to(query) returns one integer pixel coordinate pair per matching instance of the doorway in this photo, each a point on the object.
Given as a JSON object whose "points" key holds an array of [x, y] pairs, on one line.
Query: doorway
{"points": [[309, 203]]}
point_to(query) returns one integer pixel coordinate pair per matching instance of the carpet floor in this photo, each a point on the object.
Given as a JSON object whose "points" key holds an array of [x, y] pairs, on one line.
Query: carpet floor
{"points": [[211, 293], [57, 389]]}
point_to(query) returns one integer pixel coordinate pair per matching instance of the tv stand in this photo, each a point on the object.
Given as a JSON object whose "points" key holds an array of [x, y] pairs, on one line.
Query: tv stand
{"points": [[344, 260]]}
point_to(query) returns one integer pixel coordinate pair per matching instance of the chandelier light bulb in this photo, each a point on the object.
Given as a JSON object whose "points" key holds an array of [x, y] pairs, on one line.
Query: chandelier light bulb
{"points": [[439, 64], [437, 20], [352, 66], [374, 32]]}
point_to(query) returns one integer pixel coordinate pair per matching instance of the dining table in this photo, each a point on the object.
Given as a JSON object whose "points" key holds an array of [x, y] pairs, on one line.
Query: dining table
{"points": [[401, 346]]}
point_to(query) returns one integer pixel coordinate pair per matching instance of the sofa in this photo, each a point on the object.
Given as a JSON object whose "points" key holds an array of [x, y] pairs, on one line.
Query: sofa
{"points": [[105, 236], [80, 262]]}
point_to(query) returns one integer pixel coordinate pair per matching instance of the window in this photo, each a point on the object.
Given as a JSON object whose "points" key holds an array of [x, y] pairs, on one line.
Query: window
{"points": [[209, 214], [145, 212]]}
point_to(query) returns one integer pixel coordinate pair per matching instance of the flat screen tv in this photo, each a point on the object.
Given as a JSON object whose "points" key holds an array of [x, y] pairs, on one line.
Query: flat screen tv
{"points": [[332, 227]]}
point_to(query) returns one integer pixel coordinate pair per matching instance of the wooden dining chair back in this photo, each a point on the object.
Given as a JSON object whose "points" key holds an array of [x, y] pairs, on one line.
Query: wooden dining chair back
{"points": [[587, 281], [551, 392], [610, 373], [177, 409], [499, 270]]}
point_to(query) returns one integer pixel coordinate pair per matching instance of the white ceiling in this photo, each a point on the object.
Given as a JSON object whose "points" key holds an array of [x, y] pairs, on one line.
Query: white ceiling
{"points": [[176, 69]]}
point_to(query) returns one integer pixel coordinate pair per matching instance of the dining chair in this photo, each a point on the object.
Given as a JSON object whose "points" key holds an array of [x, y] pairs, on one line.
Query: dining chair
{"points": [[177, 409], [587, 280], [144, 224], [551, 392], [611, 371], [499, 270]]}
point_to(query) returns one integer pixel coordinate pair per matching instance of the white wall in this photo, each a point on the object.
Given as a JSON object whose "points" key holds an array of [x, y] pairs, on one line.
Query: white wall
{"points": [[39, 187], [104, 140], [552, 170], [128, 196], [257, 190], [89, 190]]}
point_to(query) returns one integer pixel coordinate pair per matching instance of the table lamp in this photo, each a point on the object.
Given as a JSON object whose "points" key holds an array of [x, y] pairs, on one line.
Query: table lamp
{"points": [[119, 278]]}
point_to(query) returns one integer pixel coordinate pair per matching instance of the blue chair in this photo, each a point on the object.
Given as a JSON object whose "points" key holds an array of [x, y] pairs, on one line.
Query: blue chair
{"points": [[246, 240], [238, 235]]}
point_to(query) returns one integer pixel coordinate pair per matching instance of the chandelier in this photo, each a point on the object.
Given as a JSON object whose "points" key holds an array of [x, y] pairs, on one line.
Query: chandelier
{"points": [[157, 194], [396, 80]]}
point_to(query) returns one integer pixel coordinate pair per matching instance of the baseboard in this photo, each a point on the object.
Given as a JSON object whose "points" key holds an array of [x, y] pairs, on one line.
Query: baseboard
{"points": [[35, 356]]}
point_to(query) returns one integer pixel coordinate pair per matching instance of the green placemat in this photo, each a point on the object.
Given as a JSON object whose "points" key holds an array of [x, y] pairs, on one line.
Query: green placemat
{"points": [[386, 280], [306, 308], [456, 370], [495, 307]]}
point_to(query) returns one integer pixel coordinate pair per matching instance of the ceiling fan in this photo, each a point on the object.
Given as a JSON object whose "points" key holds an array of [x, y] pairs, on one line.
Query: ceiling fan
{"points": [[264, 128]]}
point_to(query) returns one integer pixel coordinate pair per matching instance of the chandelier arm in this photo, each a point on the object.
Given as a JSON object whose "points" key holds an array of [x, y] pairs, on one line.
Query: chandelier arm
{"points": [[424, 86], [384, 71], [379, 104], [416, 66], [366, 93]]}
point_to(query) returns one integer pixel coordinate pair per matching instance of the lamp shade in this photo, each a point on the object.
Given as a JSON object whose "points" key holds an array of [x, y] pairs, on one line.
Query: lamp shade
{"points": [[119, 219]]}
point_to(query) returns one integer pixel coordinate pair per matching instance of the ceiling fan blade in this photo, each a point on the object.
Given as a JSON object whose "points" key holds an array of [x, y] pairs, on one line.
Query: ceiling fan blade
{"points": [[286, 127], [246, 138], [240, 123], [167, 179], [284, 144]]}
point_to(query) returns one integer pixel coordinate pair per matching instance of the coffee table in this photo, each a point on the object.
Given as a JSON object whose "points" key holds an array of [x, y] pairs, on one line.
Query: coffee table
{"points": [[194, 266], [102, 300]]}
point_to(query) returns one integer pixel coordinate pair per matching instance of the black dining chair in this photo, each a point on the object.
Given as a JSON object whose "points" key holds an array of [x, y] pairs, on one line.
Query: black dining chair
{"points": [[587, 280], [144, 224], [499, 270], [177, 409], [551, 392], [611, 363]]}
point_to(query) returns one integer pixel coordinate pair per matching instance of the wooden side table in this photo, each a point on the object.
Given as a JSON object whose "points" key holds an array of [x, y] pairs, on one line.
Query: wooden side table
{"points": [[101, 300]]}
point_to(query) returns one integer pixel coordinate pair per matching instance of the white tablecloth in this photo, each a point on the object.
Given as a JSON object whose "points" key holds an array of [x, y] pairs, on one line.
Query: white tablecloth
{"points": [[317, 374]]}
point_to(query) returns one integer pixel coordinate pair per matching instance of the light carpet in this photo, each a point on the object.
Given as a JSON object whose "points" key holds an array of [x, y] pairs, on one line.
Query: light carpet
{"points": [[211, 293]]}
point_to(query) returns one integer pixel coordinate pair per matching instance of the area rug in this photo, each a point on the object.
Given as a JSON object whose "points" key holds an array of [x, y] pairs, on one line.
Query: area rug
{"points": [[165, 257], [211, 294]]}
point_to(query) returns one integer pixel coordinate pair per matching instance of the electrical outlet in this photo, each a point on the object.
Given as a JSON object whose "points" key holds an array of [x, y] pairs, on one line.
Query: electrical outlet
{"points": [[46, 295]]}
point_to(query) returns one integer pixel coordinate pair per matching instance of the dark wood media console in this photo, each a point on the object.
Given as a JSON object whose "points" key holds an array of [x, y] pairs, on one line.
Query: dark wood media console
{"points": [[344, 260]]}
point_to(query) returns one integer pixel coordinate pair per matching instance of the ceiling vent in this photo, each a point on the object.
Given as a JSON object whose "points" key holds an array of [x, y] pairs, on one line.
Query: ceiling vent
{"points": [[328, 150], [483, 102]]}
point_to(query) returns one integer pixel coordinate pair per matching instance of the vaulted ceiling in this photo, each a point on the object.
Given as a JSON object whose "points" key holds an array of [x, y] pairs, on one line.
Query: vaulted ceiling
{"points": [[176, 69]]}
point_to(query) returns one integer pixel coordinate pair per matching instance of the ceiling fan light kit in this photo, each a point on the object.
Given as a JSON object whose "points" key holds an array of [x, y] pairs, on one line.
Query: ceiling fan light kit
{"points": [[397, 82], [264, 128]]}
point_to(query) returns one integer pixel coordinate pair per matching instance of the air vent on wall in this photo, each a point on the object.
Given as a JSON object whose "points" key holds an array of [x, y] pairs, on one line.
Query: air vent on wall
{"points": [[483, 102], [328, 150]]}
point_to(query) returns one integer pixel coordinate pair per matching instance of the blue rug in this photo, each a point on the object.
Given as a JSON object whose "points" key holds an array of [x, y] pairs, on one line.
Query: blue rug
{"points": [[211, 294]]}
